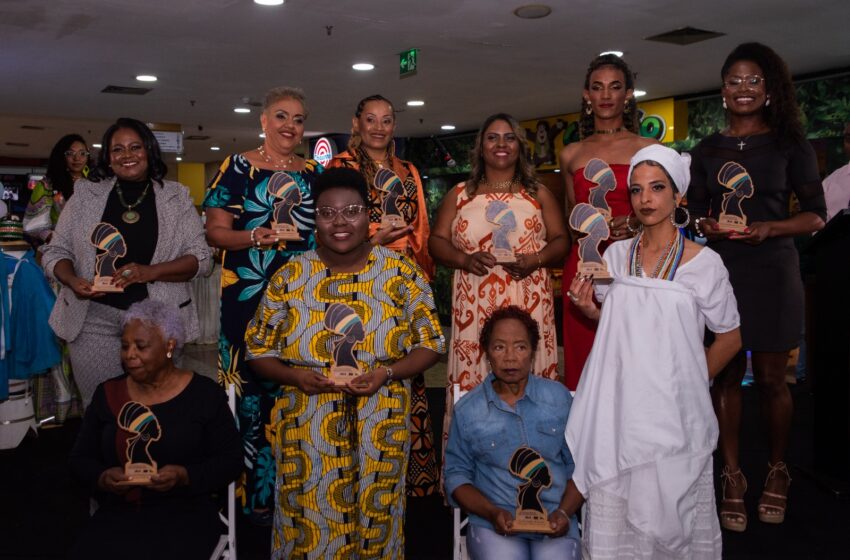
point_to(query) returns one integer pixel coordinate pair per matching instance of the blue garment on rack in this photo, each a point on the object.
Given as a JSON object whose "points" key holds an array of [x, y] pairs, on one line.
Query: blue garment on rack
{"points": [[27, 344]]}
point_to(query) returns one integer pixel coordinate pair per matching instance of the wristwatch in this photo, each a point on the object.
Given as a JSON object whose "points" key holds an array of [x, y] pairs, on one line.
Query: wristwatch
{"points": [[389, 374]]}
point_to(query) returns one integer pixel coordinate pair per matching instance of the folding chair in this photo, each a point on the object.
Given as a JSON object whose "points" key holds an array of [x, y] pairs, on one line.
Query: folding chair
{"points": [[460, 519], [226, 547]]}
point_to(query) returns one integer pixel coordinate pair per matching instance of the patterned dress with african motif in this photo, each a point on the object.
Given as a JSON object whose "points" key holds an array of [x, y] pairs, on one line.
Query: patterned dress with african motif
{"points": [[476, 297], [410, 202], [242, 190], [342, 459]]}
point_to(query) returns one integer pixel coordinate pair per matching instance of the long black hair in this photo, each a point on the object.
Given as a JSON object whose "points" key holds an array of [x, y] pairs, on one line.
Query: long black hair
{"points": [[783, 113], [586, 122], [57, 168], [156, 167]]}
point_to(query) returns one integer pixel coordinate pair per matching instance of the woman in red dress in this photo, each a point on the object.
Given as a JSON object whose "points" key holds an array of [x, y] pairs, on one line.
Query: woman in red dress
{"points": [[598, 163]]}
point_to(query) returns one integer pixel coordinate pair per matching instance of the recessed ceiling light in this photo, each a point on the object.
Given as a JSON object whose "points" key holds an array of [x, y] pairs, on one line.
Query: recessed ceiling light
{"points": [[363, 66], [268, 2], [448, 127], [96, 146], [241, 110], [615, 53], [214, 148], [179, 158], [533, 11], [639, 93], [146, 78], [262, 135], [415, 103]]}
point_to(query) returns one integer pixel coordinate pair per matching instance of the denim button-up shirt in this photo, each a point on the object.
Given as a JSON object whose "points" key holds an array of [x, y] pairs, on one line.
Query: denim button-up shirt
{"points": [[485, 432]]}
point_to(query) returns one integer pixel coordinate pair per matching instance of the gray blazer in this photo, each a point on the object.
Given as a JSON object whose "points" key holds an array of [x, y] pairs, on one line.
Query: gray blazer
{"points": [[180, 233]]}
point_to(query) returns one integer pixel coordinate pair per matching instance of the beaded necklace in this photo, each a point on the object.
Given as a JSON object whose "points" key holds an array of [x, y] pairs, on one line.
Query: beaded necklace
{"points": [[668, 262]]}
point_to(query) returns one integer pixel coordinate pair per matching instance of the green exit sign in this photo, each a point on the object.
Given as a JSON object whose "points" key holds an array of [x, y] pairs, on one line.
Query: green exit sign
{"points": [[408, 62]]}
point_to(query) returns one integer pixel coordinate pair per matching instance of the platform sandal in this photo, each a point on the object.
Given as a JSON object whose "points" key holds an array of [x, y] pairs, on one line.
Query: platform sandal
{"points": [[732, 520], [773, 513]]}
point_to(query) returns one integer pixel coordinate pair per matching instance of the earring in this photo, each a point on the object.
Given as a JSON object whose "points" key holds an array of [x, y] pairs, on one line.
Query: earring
{"points": [[767, 103], [724, 103], [683, 223], [168, 354], [588, 107], [633, 230]]}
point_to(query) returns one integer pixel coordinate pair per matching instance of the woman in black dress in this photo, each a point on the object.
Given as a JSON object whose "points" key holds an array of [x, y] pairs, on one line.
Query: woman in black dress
{"points": [[754, 165]]}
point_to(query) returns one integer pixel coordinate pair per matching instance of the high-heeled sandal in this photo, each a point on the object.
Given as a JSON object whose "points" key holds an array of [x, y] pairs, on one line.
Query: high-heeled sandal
{"points": [[732, 520], [773, 513]]}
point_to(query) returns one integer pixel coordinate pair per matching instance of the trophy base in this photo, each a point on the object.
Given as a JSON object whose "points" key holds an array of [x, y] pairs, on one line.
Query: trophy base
{"points": [[343, 375], [104, 284], [392, 221], [530, 521], [598, 271], [139, 474], [286, 232], [504, 256], [731, 222]]}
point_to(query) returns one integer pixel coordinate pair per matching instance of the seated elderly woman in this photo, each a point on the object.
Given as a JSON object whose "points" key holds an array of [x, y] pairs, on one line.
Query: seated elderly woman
{"points": [[343, 329], [506, 453], [154, 444]]}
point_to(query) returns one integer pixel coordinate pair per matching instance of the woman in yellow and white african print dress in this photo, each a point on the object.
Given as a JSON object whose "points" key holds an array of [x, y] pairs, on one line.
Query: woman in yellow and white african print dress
{"points": [[342, 449]]}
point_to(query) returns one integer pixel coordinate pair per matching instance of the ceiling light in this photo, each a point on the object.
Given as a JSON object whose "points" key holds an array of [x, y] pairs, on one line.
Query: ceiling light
{"points": [[214, 148], [448, 127], [241, 110], [179, 158], [268, 2], [533, 11], [415, 103], [96, 146], [615, 53], [639, 93], [363, 66], [146, 78], [262, 135]]}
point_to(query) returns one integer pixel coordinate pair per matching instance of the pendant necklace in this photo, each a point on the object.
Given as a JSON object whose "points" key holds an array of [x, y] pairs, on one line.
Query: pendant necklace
{"points": [[501, 186], [609, 130], [130, 216], [280, 164]]}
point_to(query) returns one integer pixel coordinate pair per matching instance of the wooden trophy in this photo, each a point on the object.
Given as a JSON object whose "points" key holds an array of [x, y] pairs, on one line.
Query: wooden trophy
{"points": [[587, 219], [342, 320], [500, 214], [110, 247], [530, 516], [734, 177], [137, 419], [390, 184], [600, 174], [284, 188]]}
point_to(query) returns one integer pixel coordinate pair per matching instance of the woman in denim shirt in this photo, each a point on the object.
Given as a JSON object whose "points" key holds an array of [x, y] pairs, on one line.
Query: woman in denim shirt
{"points": [[485, 467]]}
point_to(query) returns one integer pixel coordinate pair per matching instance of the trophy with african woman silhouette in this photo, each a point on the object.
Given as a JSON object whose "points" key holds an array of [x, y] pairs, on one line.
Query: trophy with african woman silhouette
{"points": [[604, 181], [342, 320], [110, 247], [284, 188], [737, 180], [390, 184], [138, 420], [502, 217], [530, 516], [586, 219]]}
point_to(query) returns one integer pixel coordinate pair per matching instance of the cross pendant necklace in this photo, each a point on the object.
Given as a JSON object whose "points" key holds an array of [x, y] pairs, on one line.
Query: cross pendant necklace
{"points": [[741, 144]]}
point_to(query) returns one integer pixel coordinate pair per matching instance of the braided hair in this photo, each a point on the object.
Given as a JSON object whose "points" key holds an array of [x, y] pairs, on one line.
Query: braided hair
{"points": [[366, 164]]}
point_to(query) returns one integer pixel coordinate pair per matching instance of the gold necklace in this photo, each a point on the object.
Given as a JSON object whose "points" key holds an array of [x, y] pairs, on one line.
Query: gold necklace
{"points": [[280, 164], [502, 186], [130, 216], [609, 130]]}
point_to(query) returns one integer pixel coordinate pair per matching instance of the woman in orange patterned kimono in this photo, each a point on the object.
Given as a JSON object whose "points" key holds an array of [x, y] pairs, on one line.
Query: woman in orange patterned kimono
{"points": [[398, 220], [501, 209]]}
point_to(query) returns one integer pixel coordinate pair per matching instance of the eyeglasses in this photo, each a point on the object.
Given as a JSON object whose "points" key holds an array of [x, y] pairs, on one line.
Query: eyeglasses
{"points": [[350, 212], [78, 153], [753, 80], [132, 148]]}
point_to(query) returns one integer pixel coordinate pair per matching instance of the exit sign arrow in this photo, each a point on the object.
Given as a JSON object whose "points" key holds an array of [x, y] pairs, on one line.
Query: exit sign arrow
{"points": [[408, 62]]}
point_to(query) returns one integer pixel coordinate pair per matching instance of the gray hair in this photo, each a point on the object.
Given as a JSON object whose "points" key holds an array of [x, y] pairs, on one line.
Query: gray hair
{"points": [[285, 92], [164, 316]]}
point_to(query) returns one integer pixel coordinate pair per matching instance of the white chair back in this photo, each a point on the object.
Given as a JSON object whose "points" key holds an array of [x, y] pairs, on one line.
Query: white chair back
{"points": [[226, 547], [460, 520]]}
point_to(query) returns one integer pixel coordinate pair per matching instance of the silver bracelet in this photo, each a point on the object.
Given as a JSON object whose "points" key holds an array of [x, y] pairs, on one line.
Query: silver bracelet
{"points": [[697, 227], [254, 240], [559, 510]]}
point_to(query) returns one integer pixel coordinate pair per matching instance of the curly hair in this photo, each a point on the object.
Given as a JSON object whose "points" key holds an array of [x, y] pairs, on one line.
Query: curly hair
{"points": [[524, 172], [163, 316], [341, 178], [783, 113], [366, 164], [503, 314], [285, 92], [57, 168], [630, 121], [157, 168]]}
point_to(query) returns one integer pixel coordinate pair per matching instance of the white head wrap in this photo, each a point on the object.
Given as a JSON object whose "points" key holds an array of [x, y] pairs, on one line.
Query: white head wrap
{"points": [[678, 166]]}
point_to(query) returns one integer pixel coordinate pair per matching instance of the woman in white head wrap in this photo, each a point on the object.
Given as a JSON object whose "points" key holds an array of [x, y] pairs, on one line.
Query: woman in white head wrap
{"points": [[642, 428]]}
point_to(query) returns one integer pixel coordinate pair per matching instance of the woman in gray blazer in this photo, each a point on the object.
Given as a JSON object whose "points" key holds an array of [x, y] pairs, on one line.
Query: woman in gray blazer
{"points": [[136, 230]]}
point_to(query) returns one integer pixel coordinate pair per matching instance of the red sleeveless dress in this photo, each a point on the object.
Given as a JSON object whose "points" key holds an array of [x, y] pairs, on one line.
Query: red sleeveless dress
{"points": [[578, 329]]}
